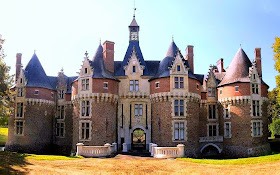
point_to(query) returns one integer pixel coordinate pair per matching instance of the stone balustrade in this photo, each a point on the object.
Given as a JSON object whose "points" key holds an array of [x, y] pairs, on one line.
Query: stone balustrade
{"points": [[96, 151], [167, 152], [211, 139]]}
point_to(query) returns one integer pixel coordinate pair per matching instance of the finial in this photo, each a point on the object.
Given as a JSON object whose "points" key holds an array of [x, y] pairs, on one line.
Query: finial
{"points": [[240, 46], [99, 41], [172, 38], [134, 9], [86, 54], [34, 51], [61, 70]]}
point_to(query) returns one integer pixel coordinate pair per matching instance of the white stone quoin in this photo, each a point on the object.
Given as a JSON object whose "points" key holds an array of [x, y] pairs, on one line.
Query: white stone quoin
{"points": [[124, 147]]}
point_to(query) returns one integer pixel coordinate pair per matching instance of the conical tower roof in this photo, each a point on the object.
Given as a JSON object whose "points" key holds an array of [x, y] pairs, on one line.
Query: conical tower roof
{"points": [[133, 23], [172, 50], [98, 65], [35, 74], [238, 70]]}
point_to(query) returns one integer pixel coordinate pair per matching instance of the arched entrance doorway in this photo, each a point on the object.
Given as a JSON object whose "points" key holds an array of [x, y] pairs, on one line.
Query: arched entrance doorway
{"points": [[211, 151], [138, 139]]}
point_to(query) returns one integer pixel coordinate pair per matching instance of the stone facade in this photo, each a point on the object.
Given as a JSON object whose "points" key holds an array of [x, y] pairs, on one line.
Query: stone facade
{"points": [[136, 102]]}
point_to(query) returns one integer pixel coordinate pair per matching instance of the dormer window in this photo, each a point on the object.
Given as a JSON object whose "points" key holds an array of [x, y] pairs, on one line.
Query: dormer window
{"points": [[105, 85], [211, 92], [85, 84], [254, 76], [255, 88], [157, 85], [61, 94], [20, 92], [178, 68], [36, 92], [236, 88], [86, 70], [133, 69], [21, 81], [179, 82], [134, 85]]}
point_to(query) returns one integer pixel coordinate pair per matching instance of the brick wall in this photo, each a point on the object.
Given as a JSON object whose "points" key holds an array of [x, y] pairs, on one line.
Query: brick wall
{"points": [[43, 93], [193, 86], [229, 90], [164, 85], [98, 86]]}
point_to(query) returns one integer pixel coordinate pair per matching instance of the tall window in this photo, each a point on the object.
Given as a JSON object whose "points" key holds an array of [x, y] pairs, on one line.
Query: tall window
{"points": [[256, 108], [20, 92], [256, 128], [211, 92], [19, 128], [138, 110], [178, 68], [227, 112], [212, 130], [179, 130], [85, 84], [61, 94], [60, 129], [179, 107], [179, 82], [212, 111], [60, 112], [85, 130], [85, 108], [134, 85], [133, 68], [227, 132], [255, 88], [19, 109]]}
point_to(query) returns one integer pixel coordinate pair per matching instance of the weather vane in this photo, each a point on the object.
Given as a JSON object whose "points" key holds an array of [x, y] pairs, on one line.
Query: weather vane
{"points": [[86, 54]]}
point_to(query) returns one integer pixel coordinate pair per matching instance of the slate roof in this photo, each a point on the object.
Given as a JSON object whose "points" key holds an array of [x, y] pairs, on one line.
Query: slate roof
{"points": [[133, 23], [98, 65], [167, 62], [36, 75], [238, 70], [135, 45]]}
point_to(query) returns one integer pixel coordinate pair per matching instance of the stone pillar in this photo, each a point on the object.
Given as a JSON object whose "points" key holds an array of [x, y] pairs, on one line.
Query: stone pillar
{"points": [[124, 147], [108, 145], [115, 146], [181, 150], [153, 150], [79, 149], [150, 147]]}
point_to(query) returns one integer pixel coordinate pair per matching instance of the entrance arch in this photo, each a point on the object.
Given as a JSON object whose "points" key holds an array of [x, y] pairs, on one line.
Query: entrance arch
{"points": [[138, 139], [211, 150]]}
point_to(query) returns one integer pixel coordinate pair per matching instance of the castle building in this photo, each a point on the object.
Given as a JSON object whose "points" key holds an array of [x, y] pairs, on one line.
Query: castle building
{"points": [[137, 102]]}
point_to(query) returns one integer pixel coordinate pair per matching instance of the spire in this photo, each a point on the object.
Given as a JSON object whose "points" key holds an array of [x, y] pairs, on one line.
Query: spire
{"points": [[134, 9], [172, 49]]}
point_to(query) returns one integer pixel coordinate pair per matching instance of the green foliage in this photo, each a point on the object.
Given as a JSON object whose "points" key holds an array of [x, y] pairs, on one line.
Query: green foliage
{"points": [[274, 127], [240, 161], [276, 50], [3, 135], [6, 81], [274, 105]]}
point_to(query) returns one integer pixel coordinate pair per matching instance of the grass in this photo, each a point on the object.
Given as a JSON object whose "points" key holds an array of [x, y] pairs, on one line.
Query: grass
{"points": [[240, 161], [3, 135], [51, 157]]}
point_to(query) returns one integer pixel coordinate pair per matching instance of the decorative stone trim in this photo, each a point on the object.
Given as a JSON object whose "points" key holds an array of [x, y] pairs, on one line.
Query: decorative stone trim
{"points": [[34, 101], [264, 99], [15, 127], [225, 136], [173, 108], [236, 100], [133, 94], [168, 96], [80, 130], [211, 139], [96, 97], [224, 111], [217, 129]]}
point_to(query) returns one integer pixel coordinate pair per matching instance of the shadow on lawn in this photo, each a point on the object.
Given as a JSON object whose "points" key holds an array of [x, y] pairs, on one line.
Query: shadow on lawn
{"points": [[10, 159]]}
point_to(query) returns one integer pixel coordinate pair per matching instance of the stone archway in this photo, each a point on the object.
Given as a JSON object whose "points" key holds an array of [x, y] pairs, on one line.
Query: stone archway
{"points": [[138, 139], [211, 150]]}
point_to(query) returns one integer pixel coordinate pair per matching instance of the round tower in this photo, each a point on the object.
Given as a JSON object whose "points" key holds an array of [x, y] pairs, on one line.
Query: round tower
{"points": [[243, 95]]}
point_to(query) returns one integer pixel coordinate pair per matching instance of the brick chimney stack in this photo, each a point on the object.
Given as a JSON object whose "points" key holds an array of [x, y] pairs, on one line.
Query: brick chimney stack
{"points": [[258, 59], [18, 65], [108, 53], [189, 56], [220, 65]]}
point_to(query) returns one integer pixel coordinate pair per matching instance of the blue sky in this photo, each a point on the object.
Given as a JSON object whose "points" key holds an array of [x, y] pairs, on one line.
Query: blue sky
{"points": [[61, 31]]}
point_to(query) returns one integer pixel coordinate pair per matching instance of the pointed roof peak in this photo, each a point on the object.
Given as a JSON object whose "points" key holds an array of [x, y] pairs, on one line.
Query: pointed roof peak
{"points": [[238, 69], [98, 53], [133, 23], [172, 49]]}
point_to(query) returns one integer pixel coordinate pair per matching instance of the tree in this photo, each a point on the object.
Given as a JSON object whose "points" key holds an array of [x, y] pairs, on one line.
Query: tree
{"points": [[276, 50], [5, 83], [273, 106]]}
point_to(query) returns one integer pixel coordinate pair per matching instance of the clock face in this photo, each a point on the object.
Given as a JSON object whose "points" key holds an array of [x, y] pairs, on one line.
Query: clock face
{"points": [[134, 36]]}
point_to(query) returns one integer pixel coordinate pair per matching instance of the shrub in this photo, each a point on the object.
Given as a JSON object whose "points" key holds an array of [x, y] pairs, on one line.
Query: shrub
{"points": [[274, 127]]}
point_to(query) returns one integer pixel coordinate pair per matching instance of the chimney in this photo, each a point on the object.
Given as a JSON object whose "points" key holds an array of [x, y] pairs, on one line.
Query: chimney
{"points": [[108, 53], [189, 56], [258, 59], [220, 65], [18, 65]]}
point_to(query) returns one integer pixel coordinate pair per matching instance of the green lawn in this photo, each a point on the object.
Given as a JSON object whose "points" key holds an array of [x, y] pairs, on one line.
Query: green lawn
{"points": [[3, 135], [51, 157], [240, 161]]}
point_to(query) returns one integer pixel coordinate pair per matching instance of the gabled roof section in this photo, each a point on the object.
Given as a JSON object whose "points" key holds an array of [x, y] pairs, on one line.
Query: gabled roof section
{"points": [[98, 65], [133, 45], [35, 74], [238, 70]]}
